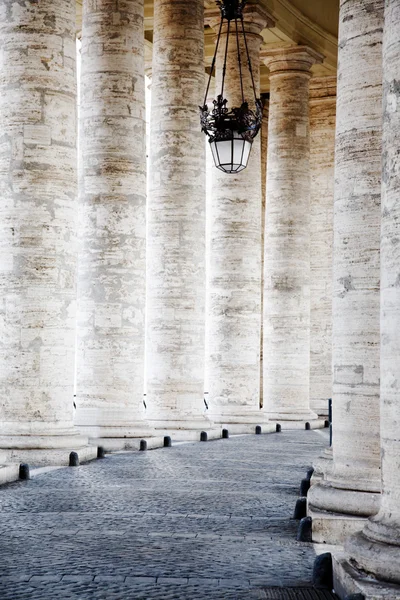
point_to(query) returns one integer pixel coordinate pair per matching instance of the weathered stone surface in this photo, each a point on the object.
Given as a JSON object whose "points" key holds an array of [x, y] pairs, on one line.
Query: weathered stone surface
{"points": [[356, 446], [322, 157], [264, 152], [287, 237], [112, 222], [176, 219], [234, 302], [377, 549], [38, 182]]}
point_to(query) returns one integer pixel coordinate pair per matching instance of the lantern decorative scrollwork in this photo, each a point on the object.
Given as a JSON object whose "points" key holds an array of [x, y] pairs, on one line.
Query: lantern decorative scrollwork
{"points": [[231, 132]]}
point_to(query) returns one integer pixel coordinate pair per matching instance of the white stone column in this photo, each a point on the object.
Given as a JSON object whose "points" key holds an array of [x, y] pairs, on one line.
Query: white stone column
{"points": [[377, 549], [209, 192], [235, 252], [287, 237], [176, 220], [112, 223], [351, 491], [322, 159], [264, 152], [38, 215]]}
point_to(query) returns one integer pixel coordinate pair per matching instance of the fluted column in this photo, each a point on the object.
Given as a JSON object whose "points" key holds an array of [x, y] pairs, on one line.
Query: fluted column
{"points": [[353, 486], [287, 237], [235, 252], [112, 269], [322, 158], [38, 185], [176, 219], [377, 549]]}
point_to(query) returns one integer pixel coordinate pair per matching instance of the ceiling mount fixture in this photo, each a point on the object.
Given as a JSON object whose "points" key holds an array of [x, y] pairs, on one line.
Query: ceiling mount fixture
{"points": [[231, 132]]}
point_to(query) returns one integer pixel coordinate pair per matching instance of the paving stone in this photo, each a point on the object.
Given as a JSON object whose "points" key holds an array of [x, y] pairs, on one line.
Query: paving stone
{"points": [[196, 521]]}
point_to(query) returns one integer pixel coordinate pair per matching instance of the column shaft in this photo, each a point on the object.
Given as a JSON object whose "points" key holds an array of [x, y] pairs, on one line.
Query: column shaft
{"points": [[264, 152], [38, 181], [176, 218], [287, 237], [353, 486], [377, 549], [235, 253], [111, 284], [322, 158]]}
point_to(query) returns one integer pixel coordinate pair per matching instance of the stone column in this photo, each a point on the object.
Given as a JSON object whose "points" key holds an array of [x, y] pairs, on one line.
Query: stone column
{"points": [[176, 220], [112, 269], [209, 192], [322, 158], [264, 151], [38, 185], [287, 237], [235, 253], [377, 549], [353, 486]]}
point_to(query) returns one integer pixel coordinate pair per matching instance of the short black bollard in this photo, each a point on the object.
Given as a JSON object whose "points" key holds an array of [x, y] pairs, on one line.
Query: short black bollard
{"points": [[24, 471], [323, 571], [326, 423], [278, 428], [310, 473], [258, 429], [225, 434], [304, 532], [167, 441], [300, 510], [355, 597], [304, 487], [203, 436], [101, 453], [143, 446], [74, 459], [308, 426]]}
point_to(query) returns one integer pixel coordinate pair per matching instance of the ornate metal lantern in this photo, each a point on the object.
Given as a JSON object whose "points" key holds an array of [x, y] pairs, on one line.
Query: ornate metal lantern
{"points": [[231, 132]]}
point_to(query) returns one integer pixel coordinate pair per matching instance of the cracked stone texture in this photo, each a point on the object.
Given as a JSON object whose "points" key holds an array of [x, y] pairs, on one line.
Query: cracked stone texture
{"points": [[322, 159], [378, 549], [112, 220], [356, 262], [169, 523], [287, 237], [264, 152], [176, 217], [38, 181], [233, 355]]}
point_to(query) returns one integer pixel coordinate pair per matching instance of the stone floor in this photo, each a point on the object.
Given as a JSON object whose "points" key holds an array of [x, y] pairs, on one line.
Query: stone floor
{"points": [[200, 520]]}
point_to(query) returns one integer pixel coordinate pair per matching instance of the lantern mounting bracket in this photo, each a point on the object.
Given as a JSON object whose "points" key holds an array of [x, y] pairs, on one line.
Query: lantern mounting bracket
{"points": [[231, 9]]}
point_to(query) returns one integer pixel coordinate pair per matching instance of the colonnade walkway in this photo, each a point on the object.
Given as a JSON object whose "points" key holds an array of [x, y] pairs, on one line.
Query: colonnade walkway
{"points": [[200, 520]]}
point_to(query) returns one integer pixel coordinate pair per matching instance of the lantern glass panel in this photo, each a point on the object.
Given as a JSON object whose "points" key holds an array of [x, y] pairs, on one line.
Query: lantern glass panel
{"points": [[231, 156]]}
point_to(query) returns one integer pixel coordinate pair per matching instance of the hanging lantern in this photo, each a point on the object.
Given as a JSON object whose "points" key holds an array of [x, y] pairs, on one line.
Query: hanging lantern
{"points": [[231, 132]]}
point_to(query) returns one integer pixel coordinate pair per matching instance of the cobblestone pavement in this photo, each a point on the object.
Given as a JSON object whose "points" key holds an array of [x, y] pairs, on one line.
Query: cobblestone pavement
{"points": [[201, 520]]}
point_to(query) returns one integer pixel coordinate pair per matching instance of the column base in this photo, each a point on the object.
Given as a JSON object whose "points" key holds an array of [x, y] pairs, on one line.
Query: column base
{"points": [[184, 429], [44, 450], [293, 415], [8, 473], [348, 579], [240, 423], [375, 557], [118, 444], [338, 513], [323, 466], [118, 438]]}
